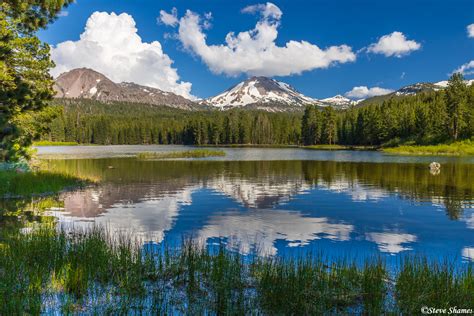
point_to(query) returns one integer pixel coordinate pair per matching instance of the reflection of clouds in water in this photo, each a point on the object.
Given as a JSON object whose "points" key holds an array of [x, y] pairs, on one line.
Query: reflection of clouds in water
{"points": [[469, 219], [391, 242], [357, 191], [253, 194], [468, 253], [149, 218], [261, 228]]}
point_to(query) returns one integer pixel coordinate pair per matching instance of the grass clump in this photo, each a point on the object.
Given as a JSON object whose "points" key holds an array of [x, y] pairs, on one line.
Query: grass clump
{"points": [[49, 270], [461, 148], [308, 286], [424, 283], [16, 183], [51, 143], [198, 153]]}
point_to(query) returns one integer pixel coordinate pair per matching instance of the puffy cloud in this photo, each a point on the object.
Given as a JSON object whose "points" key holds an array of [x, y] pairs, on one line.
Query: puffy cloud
{"points": [[394, 44], [170, 19], [363, 92], [470, 30], [255, 52], [268, 10], [110, 44], [466, 69]]}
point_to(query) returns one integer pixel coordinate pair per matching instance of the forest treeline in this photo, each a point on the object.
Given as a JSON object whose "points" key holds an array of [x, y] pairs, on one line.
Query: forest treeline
{"points": [[428, 117]]}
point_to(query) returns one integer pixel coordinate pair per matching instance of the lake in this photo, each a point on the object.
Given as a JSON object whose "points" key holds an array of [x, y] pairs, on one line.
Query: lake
{"points": [[277, 201]]}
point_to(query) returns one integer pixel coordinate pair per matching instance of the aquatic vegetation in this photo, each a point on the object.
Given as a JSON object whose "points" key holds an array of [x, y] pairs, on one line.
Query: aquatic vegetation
{"points": [[51, 143], [424, 283], [18, 183], [93, 271], [198, 153], [453, 149]]}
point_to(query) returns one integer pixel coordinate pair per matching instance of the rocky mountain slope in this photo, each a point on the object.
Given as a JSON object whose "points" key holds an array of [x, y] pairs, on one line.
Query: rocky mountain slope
{"points": [[89, 84]]}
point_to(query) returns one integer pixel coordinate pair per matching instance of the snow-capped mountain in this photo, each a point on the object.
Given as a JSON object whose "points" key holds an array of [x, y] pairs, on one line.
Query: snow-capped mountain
{"points": [[262, 93], [425, 86], [339, 102], [89, 84]]}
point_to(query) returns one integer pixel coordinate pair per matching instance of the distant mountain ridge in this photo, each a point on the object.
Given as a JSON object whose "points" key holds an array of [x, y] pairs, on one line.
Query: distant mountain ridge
{"points": [[426, 86], [271, 95], [260, 93], [89, 84], [409, 90]]}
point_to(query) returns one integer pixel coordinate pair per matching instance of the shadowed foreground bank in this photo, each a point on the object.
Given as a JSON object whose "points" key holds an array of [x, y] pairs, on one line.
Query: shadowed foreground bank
{"points": [[48, 270]]}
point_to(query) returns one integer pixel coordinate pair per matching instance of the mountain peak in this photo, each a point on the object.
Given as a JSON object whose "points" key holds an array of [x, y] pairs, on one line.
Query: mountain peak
{"points": [[261, 92], [87, 83]]}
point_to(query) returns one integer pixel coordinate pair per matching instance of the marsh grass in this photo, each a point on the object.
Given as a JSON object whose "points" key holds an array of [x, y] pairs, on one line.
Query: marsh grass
{"points": [[21, 184], [198, 153], [460, 148], [424, 283], [93, 271]]}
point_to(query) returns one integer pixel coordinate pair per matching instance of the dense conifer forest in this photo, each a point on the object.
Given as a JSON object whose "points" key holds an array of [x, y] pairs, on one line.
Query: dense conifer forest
{"points": [[424, 118]]}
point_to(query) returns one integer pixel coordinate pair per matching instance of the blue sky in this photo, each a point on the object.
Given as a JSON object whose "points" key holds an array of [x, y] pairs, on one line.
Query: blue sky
{"points": [[435, 36]]}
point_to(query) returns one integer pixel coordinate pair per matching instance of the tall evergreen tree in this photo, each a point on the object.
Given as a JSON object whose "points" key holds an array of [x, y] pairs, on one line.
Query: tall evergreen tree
{"points": [[456, 98], [25, 82]]}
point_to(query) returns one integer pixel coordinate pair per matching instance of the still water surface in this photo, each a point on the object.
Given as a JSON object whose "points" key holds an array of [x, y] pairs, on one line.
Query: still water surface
{"points": [[278, 201]]}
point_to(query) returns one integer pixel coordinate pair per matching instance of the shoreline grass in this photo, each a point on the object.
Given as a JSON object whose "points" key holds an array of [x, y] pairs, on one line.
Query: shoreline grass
{"points": [[50, 270], [462, 148], [198, 153], [17, 184], [51, 143]]}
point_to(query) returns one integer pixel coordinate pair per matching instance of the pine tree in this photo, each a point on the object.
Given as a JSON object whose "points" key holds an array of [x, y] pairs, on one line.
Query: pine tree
{"points": [[456, 99], [25, 82]]}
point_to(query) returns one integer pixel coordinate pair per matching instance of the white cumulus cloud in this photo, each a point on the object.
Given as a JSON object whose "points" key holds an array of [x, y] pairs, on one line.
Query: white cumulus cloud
{"points": [[470, 30], [110, 44], [394, 44], [363, 92], [170, 19], [255, 52], [466, 69]]}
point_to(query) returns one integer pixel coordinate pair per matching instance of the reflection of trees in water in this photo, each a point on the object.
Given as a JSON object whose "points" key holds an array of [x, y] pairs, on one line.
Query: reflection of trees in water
{"points": [[453, 186], [452, 202]]}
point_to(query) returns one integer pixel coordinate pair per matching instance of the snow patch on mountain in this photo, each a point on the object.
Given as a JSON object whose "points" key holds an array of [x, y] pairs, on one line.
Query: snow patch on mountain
{"points": [[260, 90]]}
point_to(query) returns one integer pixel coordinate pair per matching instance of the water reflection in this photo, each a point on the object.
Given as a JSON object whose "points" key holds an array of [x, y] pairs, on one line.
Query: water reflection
{"points": [[262, 228], [390, 242], [280, 206]]}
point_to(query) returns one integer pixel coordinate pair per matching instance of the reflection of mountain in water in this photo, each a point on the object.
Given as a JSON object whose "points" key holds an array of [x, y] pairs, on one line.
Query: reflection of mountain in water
{"points": [[148, 197]]}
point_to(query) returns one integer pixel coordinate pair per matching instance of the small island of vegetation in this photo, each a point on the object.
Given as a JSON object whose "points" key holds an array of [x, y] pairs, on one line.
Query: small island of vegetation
{"points": [[198, 153], [51, 143]]}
